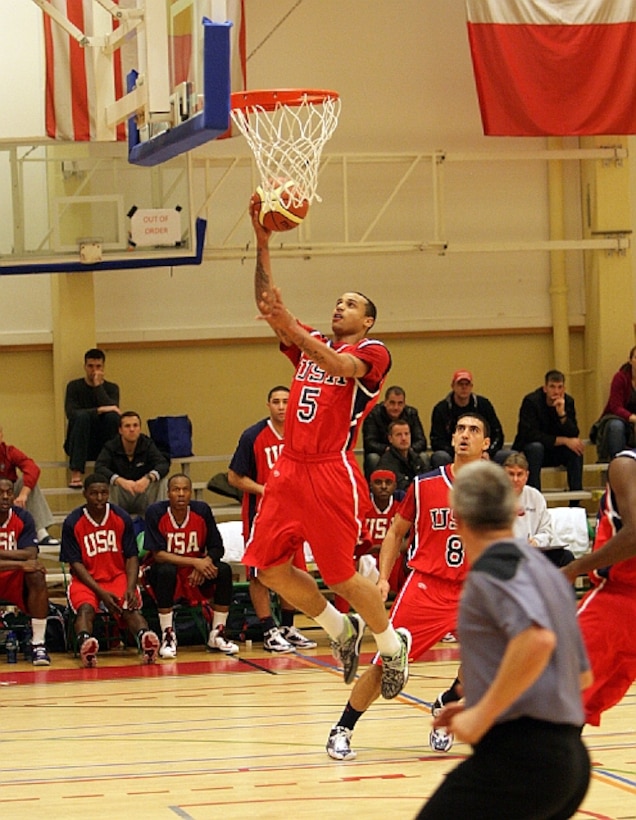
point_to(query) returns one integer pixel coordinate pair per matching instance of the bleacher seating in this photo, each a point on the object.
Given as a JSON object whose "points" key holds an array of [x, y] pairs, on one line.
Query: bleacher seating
{"points": [[62, 500]]}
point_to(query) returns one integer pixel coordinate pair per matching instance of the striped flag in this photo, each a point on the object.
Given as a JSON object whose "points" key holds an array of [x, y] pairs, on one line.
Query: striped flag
{"points": [[74, 102], [71, 111], [554, 67]]}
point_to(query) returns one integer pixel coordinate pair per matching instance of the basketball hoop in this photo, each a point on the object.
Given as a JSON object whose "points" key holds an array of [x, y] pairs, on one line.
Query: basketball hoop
{"points": [[287, 130]]}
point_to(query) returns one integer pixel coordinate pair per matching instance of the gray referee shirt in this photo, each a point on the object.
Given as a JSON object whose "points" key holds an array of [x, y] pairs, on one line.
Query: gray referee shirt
{"points": [[510, 587]]}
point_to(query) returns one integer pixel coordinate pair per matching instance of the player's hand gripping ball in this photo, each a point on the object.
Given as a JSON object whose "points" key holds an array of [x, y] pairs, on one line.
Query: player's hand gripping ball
{"points": [[279, 212]]}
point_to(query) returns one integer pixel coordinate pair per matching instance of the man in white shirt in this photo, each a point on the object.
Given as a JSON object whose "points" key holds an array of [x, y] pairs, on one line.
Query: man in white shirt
{"points": [[533, 520]]}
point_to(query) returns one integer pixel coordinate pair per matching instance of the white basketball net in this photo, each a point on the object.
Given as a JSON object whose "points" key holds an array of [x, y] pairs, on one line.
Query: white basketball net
{"points": [[287, 143]]}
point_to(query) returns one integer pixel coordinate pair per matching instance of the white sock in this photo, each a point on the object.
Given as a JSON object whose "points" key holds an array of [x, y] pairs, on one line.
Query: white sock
{"points": [[388, 642], [38, 627], [219, 619], [332, 621], [43, 533], [165, 621]]}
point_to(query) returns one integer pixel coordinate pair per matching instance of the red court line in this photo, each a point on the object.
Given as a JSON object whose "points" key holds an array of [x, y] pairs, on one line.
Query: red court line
{"points": [[220, 665]]}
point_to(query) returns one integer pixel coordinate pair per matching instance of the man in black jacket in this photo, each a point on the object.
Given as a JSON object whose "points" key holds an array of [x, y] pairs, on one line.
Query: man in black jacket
{"points": [[548, 432], [375, 430], [91, 405], [134, 466], [459, 401], [401, 458]]}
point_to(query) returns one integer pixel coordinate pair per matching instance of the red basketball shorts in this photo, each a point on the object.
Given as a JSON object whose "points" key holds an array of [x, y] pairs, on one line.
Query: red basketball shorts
{"points": [[12, 588], [317, 499], [428, 608], [78, 593], [606, 617]]}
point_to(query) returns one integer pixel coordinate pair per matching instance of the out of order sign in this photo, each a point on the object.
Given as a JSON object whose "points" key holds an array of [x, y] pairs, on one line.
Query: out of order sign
{"points": [[155, 226]]}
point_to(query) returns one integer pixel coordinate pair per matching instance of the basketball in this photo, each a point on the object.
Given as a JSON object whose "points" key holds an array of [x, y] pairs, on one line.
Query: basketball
{"points": [[278, 211]]}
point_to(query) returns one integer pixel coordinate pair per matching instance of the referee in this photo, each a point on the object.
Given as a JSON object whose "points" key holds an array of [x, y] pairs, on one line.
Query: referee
{"points": [[524, 666]]}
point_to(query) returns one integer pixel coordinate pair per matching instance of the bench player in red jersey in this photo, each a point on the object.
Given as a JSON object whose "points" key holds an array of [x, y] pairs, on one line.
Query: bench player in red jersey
{"points": [[22, 574], [184, 562], [384, 500], [315, 491], [99, 545]]}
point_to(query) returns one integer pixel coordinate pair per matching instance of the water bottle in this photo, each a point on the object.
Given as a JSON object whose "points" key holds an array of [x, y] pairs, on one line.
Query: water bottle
{"points": [[12, 647]]}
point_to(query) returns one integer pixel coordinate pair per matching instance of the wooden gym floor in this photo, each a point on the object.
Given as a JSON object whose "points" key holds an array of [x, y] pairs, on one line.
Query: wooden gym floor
{"points": [[209, 736]]}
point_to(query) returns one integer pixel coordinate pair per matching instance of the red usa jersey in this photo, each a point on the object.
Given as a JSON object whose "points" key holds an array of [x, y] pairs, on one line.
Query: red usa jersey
{"points": [[379, 521], [608, 523], [103, 547], [196, 537], [258, 448], [435, 548], [18, 531], [325, 412]]}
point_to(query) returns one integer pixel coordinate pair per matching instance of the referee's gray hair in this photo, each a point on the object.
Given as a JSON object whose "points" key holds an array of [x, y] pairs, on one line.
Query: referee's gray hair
{"points": [[482, 496]]}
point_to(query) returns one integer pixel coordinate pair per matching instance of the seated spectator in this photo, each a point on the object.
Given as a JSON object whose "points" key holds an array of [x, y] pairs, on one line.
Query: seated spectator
{"points": [[375, 430], [444, 417], [533, 522], [548, 433], [28, 495], [134, 466], [183, 562], [401, 458], [99, 545], [22, 575], [614, 431], [92, 409]]}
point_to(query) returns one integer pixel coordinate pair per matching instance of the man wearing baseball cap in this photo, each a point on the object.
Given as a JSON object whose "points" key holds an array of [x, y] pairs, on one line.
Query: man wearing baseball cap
{"points": [[444, 417]]}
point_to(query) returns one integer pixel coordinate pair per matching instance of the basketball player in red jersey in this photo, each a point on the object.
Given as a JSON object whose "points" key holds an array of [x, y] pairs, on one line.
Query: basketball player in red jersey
{"points": [[257, 451], [383, 504], [22, 574], [428, 602], [315, 491], [607, 614], [98, 542], [184, 562]]}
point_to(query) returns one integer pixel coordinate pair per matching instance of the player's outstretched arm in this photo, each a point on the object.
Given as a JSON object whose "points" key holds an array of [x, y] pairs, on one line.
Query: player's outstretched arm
{"points": [[267, 297], [622, 475]]}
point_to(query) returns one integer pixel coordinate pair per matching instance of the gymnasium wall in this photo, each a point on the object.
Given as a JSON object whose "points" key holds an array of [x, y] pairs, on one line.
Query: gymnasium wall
{"points": [[404, 73], [223, 386]]}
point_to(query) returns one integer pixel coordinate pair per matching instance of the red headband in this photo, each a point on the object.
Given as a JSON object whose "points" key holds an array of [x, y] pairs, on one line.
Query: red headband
{"points": [[378, 474]]}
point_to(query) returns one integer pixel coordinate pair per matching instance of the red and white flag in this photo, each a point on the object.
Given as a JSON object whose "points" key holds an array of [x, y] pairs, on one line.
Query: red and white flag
{"points": [[71, 111], [77, 89], [554, 67]]}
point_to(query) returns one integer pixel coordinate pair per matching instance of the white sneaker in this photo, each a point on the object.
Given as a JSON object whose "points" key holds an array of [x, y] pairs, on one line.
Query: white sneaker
{"points": [[339, 744], [168, 647], [217, 641], [88, 652], [273, 641], [296, 638], [449, 637], [440, 740]]}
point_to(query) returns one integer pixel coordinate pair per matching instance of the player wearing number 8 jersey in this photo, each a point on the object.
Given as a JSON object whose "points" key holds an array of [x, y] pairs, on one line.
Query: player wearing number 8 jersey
{"points": [[335, 385], [428, 603]]}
